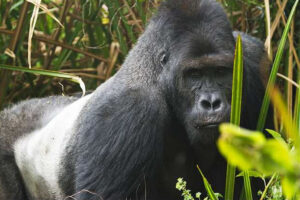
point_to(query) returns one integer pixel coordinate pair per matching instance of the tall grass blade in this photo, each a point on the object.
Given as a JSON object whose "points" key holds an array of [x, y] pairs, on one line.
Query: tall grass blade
{"points": [[210, 192], [272, 79], [237, 83]]}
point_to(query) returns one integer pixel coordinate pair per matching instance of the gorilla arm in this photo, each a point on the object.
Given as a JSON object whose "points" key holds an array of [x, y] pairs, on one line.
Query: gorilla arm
{"points": [[15, 122]]}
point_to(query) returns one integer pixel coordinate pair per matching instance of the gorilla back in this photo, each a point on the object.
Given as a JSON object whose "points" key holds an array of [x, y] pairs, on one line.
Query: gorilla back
{"points": [[152, 122]]}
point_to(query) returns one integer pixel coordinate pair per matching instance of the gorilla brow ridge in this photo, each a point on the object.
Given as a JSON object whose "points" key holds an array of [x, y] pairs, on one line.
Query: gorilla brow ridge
{"points": [[217, 60]]}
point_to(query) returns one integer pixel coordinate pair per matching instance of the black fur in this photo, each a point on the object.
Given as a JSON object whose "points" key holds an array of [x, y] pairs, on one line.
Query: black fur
{"points": [[150, 123]]}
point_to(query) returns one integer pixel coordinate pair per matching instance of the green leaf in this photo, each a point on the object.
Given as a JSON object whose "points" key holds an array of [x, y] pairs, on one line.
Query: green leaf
{"points": [[252, 173], [276, 135], [237, 83], [208, 188], [250, 150], [230, 132], [275, 157], [236, 101], [234, 156]]}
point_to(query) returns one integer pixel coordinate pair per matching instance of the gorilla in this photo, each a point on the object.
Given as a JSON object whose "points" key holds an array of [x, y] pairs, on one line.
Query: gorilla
{"points": [[149, 124]]}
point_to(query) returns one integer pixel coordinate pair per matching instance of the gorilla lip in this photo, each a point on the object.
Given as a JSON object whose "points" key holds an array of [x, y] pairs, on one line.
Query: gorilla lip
{"points": [[208, 125]]}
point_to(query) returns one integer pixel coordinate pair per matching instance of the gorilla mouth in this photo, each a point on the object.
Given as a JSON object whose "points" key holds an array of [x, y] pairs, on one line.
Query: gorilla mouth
{"points": [[207, 125]]}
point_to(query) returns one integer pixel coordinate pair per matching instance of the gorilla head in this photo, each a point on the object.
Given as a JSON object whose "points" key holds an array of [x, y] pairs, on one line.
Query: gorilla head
{"points": [[197, 65]]}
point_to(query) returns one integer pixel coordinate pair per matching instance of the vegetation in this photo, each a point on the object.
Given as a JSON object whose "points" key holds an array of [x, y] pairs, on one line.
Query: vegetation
{"points": [[91, 42], [79, 38]]}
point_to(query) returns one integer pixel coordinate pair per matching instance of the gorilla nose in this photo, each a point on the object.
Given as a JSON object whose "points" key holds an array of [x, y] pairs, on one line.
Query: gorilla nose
{"points": [[211, 102], [211, 105]]}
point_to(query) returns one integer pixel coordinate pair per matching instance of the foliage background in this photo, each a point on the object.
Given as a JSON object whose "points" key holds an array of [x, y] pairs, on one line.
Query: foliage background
{"points": [[98, 34]]}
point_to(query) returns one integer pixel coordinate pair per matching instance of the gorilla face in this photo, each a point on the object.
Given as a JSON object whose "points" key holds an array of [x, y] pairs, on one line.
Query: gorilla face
{"points": [[200, 78], [197, 67], [203, 93], [205, 87]]}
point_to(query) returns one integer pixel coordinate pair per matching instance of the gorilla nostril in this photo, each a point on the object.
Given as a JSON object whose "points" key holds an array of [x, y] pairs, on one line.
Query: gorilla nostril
{"points": [[206, 104], [216, 104]]}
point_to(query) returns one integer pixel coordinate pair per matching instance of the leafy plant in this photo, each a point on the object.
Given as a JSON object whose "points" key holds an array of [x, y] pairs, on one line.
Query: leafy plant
{"points": [[181, 185]]}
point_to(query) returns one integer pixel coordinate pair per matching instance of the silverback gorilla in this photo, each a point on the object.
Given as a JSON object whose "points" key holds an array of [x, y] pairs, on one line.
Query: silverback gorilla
{"points": [[149, 124]]}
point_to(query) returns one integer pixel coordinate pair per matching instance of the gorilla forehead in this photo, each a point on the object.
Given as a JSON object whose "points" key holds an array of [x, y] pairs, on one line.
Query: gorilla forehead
{"points": [[192, 9], [191, 24]]}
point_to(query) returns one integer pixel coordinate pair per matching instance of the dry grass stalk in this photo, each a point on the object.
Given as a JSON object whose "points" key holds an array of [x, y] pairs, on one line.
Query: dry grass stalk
{"points": [[268, 43], [291, 39], [37, 5]]}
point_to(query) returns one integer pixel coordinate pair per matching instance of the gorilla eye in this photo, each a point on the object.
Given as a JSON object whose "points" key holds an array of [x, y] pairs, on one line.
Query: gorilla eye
{"points": [[163, 59], [194, 73], [222, 70]]}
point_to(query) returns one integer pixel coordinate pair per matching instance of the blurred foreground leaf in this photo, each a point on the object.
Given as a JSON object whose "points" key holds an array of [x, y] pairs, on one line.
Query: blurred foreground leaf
{"points": [[251, 150]]}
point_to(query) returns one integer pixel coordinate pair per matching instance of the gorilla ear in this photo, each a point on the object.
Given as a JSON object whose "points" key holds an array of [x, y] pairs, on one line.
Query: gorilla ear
{"points": [[164, 58]]}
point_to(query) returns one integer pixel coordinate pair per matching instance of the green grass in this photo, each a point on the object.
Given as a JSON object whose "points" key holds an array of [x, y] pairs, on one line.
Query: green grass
{"points": [[236, 101]]}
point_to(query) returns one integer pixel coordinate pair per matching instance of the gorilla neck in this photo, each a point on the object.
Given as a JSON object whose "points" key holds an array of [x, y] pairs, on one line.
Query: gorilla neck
{"points": [[181, 160], [205, 155]]}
